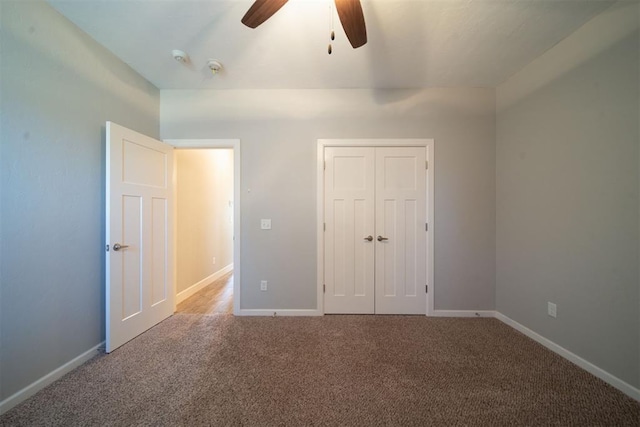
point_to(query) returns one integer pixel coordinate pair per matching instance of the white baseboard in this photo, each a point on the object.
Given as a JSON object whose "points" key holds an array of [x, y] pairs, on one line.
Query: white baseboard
{"points": [[612, 380], [462, 313], [181, 296], [52, 376], [276, 312]]}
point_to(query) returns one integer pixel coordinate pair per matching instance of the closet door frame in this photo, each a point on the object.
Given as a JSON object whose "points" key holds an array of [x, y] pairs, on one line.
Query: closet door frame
{"points": [[429, 145]]}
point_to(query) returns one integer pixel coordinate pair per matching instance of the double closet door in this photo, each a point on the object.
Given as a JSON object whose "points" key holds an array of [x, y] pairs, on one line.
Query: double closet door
{"points": [[375, 230]]}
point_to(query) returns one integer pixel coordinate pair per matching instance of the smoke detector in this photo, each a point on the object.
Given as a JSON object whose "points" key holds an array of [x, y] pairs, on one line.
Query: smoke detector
{"points": [[179, 55], [215, 66]]}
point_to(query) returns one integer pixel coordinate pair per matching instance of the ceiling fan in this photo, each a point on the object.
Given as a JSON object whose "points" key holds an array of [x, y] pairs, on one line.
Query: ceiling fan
{"points": [[349, 11]]}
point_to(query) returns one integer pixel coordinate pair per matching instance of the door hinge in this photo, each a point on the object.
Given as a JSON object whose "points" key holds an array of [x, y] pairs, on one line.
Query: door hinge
{"points": [[426, 226], [324, 289], [426, 289], [324, 167], [426, 164]]}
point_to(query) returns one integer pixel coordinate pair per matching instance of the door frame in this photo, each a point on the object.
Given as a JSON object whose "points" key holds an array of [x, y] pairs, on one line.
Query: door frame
{"points": [[429, 145], [233, 144]]}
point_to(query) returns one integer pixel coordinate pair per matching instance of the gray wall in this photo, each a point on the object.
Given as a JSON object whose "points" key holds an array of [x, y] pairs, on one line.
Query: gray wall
{"points": [[567, 193], [58, 88], [279, 130]]}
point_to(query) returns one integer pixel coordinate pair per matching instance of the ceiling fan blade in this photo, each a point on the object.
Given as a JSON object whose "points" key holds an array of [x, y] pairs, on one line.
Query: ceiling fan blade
{"points": [[352, 19], [260, 11]]}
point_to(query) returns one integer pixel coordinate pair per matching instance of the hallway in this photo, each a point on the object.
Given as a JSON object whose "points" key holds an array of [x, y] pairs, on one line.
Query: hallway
{"points": [[216, 298]]}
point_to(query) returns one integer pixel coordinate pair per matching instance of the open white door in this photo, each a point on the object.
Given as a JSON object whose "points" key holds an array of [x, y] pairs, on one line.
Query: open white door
{"points": [[139, 232]]}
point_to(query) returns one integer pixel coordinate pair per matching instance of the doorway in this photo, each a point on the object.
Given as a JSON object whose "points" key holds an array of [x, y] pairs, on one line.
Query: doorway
{"points": [[376, 240], [204, 230], [140, 260], [218, 280]]}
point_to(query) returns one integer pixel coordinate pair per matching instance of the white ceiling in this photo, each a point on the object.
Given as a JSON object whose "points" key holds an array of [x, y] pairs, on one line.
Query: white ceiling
{"points": [[412, 44]]}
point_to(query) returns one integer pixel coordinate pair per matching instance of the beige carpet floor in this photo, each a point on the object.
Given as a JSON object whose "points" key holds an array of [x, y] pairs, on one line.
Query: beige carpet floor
{"points": [[331, 370]]}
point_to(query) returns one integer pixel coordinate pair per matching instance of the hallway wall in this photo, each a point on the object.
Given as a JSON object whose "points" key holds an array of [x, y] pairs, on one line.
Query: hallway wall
{"points": [[204, 214]]}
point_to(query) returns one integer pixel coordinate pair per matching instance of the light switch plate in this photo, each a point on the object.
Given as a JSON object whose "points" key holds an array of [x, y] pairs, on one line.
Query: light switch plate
{"points": [[552, 309], [265, 224]]}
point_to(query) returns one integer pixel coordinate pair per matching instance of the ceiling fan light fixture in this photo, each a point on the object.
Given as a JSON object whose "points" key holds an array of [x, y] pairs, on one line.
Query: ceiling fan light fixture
{"points": [[349, 12]]}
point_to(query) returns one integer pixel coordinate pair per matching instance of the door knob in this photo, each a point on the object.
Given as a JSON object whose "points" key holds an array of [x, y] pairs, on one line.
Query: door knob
{"points": [[118, 246], [380, 238], [368, 238]]}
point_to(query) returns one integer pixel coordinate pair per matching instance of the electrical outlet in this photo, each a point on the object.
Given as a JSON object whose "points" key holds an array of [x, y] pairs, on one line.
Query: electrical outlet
{"points": [[265, 224], [263, 285], [552, 309], [213, 260]]}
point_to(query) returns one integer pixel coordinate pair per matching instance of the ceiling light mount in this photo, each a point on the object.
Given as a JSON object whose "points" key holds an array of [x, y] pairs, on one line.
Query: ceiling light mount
{"points": [[215, 66]]}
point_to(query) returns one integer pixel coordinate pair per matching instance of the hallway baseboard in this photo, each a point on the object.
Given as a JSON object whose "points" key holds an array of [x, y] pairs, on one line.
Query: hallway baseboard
{"points": [[181, 296]]}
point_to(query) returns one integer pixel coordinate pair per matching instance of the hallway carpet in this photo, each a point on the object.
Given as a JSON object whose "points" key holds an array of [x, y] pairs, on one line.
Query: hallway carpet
{"points": [[333, 370]]}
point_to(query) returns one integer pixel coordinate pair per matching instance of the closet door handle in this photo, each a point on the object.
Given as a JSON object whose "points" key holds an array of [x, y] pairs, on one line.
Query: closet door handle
{"points": [[368, 238], [118, 246], [380, 238]]}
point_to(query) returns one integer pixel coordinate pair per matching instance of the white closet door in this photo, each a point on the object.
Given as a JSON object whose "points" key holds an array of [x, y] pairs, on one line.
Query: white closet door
{"points": [[349, 221], [375, 239], [401, 238]]}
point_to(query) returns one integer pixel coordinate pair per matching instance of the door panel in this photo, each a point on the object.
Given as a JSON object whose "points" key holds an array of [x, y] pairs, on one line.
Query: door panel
{"points": [[139, 287], [400, 218], [159, 244], [131, 287], [349, 209], [143, 165], [411, 216]]}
